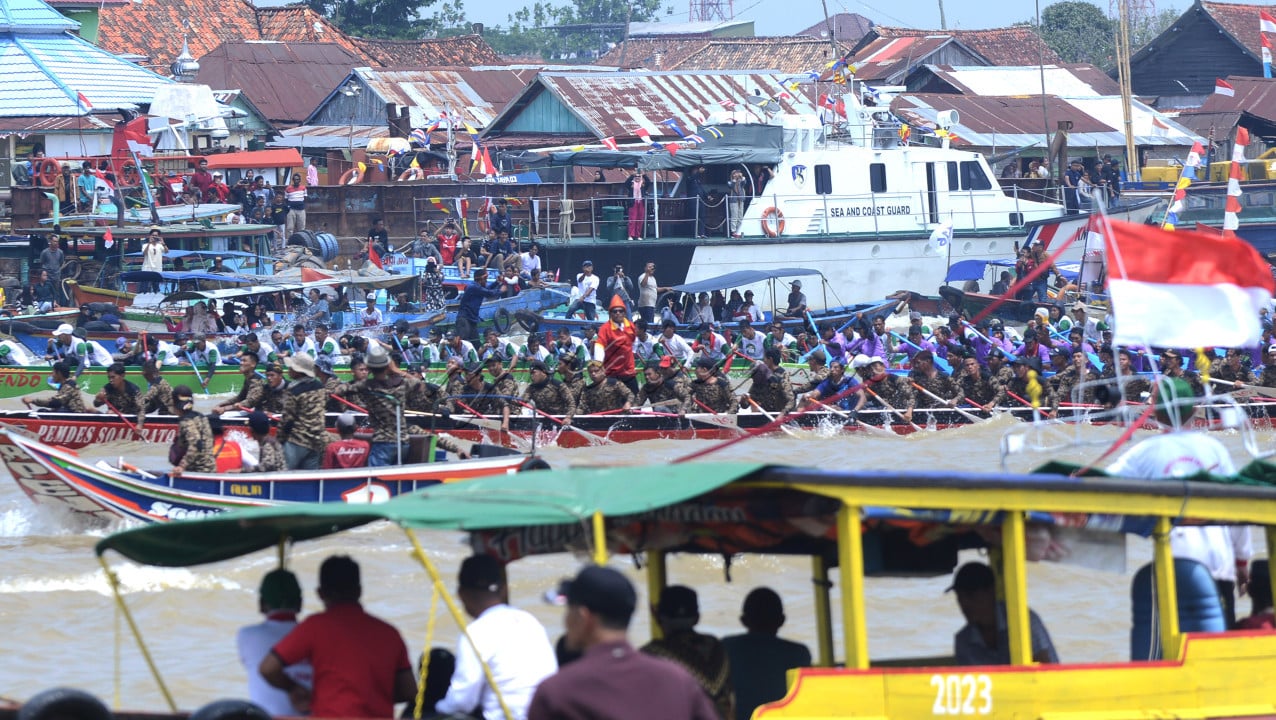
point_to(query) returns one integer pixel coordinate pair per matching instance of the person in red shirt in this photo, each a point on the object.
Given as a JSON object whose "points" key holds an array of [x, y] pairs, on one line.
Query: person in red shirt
{"points": [[348, 452], [360, 662], [449, 236], [617, 338]]}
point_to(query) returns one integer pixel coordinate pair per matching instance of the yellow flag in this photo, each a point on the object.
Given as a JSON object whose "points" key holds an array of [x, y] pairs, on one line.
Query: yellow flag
{"points": [[363, 167], [415, 164]]}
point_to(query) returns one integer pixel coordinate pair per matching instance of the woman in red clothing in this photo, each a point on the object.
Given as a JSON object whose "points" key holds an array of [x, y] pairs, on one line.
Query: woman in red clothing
{"points": [[448, 237]]}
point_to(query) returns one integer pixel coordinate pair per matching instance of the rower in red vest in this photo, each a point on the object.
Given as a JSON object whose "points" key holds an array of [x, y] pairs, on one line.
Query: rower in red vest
{"points": [[617, 338], [348, 452], [230, 456]]}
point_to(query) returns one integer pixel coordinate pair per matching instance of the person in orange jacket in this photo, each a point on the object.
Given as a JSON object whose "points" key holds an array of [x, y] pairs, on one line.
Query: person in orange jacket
{"points": [[617, 338]]}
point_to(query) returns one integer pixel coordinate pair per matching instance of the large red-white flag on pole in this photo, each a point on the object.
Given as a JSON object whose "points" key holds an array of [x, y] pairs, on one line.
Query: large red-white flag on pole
{"points": [[1185, 288]]}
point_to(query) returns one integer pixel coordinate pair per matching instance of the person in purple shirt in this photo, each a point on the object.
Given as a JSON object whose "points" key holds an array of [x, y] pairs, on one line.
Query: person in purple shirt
{"points": [[1033, 348], [915, 343], [612, 680]]}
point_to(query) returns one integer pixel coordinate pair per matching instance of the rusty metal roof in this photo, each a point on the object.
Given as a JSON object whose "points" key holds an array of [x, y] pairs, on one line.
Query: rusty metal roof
{"points": [[1256, 96], [785, 54], [476, 95], [298, 23], [1015, 121], [51, 125], [655, 53], [887, 57], [329, 136], [154, 29], [284, 81], [1077, 80], [1014, 45], [1240, 21], [460, 50], [616, 104], [847, 28]]}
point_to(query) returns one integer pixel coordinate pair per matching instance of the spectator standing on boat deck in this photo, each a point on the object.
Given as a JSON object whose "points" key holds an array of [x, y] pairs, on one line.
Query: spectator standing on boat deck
{"points": [[1224, 551], [1072, 186], [499, 221], [295, 196], [702, 655], [511, 642], [67, 398], [279, 218], [467, 312], [648, 290], [622, 286], [361, 666], [193, 448], [736, 186], [279, 599], [638, 185], [611, 680], [760, 658], [985, 640], [301, 429], [120, 394], [587, 287], [51, 259], [349, 451]]}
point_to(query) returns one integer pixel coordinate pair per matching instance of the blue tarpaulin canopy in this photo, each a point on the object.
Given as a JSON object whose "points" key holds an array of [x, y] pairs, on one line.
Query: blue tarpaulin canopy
{"points": [[742, 277], [174, 254], [182, 276]]}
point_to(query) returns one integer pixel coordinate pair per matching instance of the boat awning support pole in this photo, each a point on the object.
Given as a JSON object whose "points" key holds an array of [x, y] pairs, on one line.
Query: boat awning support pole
{"points": [[823, 610], [1014, 577], [436, 580], [114, 582], [1166, 590], [657, 578], [850, 555], [600, 539]]}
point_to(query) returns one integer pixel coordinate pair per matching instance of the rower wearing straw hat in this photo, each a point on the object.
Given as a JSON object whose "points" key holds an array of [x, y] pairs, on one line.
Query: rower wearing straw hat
{"points": [[302, 429]]}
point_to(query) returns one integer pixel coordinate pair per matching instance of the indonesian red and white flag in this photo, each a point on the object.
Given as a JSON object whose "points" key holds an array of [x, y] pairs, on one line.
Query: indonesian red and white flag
{"points": [[1185, 288], [610, 143], [1223, 87], [644, 135], [1266, 23]]}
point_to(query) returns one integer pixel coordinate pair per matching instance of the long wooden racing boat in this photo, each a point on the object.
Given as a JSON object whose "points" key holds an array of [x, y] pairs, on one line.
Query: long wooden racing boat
{"points": [[17, 381], [853, 525], [101, 492]]}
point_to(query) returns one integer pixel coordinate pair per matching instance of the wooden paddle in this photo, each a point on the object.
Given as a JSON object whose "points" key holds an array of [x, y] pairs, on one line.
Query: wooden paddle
{"points": [[969, 416], [890, 407], [771, 416], [593, 439]]}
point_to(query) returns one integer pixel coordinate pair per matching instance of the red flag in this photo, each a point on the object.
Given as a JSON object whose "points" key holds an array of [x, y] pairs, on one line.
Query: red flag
{"points": [[610, 142], [108, 239], [133, 130], [311, 274], [1266, 23], [83, 101], [643, 135], [1223, 87], [516, 202], [673, 148], [465, 207], [374, 256], [1184, 288]]}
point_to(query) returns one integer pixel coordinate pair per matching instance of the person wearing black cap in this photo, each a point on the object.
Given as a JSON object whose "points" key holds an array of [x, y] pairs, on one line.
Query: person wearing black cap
{"points": [[984, 640], [611, 680], [659, 391], [568, 368], [512, 643], [771, 389], [1018, 386], [702, 655], [279, 599], [760, 658], [587, 293], [603, 394], [361, 666], [547, 394]]}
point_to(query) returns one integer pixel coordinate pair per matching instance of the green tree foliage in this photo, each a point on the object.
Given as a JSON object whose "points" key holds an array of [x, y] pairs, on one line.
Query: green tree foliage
{"points": [[1079, 32], [1145, 27], [396, 19], [578, 30]]}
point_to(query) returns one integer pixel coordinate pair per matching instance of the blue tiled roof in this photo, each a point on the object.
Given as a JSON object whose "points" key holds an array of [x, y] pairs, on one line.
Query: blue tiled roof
{"points": [[33, 16], [42, 74]]}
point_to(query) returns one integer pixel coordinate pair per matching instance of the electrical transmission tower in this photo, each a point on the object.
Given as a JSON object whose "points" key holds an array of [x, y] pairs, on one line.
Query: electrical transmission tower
{"points": [[720, 10]]}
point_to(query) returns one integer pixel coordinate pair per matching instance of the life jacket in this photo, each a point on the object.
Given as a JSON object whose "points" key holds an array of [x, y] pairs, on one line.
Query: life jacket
{"points": [[230, 456]]}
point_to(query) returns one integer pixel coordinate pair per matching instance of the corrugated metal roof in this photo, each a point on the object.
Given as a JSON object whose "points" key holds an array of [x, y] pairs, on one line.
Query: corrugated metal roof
{"points": [[655, 53], [33, 16], [616, 104], [1239, 20], [284, 81], [885, 57], [1063, 81], [298, 23], [1256, 96], [329, 136], [55, 124], [1202, 122], [43, 74], [1010, 121], [428, 94], [846, 27]]}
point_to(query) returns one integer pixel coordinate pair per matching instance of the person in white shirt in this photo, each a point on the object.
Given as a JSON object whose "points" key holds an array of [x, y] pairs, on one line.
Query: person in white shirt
{"points": [[512, 643], [153, 253], [371, 316], [1224, 551], [587, 292], [530, 263], [670, 343], [280, 601]]}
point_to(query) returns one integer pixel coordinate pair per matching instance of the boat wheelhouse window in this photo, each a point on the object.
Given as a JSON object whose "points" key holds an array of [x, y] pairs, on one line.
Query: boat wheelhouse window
{"points": [[953, 183], [823, 179], [973, 176], [877, 177]]}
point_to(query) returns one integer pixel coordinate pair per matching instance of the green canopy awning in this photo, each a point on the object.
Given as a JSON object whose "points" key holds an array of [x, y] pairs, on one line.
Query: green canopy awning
{"points": [[552, 497]]}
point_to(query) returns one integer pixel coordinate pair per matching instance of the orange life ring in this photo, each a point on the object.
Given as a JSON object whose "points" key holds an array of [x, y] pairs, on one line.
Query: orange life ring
{"points": [[411, 174], [767, 227], [350, 177], [47, 172]]}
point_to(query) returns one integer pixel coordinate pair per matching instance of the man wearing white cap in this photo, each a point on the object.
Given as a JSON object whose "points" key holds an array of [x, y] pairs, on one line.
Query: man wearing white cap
{"points": [[371, 316], [61, 345], [301, 427]]}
